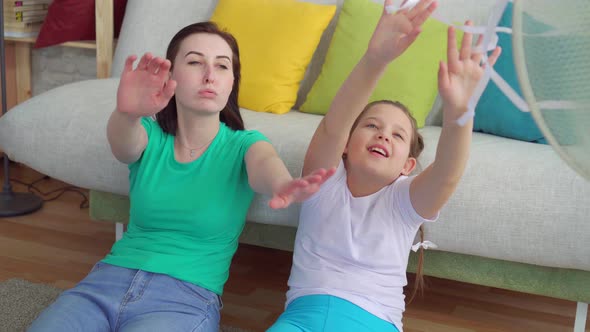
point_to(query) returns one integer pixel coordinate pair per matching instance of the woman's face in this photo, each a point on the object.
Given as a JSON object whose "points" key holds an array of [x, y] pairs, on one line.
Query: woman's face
{"points": [[203, 71]]}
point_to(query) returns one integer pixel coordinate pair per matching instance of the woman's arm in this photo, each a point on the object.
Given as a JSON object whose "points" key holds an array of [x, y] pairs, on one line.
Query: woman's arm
{"points": [[143, 91], [267, 174], [261, 161], [126, 136]]}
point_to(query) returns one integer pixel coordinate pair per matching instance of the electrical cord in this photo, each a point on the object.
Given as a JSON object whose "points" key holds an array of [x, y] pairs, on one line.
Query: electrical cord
{"points": [[57, 193]]}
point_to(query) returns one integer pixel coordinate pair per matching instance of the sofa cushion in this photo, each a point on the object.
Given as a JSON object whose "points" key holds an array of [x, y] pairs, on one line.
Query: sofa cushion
{"points": [[277, 41], [62, 133], [517, 201], [485, 216], [410, 79], [146, 29]]}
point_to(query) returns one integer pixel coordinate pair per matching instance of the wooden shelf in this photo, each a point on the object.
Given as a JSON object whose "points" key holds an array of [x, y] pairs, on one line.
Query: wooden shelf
{"points": [[10, 78], [88, 44], [104, 46], [21, 40]]}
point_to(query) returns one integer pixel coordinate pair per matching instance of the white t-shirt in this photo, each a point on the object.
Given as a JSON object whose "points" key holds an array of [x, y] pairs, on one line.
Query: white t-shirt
{"points": [[356, 248]]}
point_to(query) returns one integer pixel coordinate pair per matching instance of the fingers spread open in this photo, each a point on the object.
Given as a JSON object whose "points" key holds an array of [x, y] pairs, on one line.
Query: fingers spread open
{"points": [[423, 15], [403, 25], [129, 63], [326, 174], [452, 53], [417, 9], [387, 3], [492, 58], [164, 69], [277, 202], [169, 88], [443, 75], [295, 186], [144, 61], [319, 172], [466, 43], [312, 179], [407, 40], [477, 54], [154, 65]]}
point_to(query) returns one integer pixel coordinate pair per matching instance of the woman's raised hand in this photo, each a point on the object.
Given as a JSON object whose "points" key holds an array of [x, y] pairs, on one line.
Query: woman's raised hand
{"points": [[147, 89]]}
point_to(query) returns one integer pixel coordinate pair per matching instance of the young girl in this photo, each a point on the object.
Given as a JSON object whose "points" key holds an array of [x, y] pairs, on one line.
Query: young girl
{"points": [[193, 173], [355, 233]]}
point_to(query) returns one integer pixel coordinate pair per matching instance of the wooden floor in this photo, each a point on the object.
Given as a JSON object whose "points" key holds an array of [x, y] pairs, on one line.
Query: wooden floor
{"points": [[59, 244]]}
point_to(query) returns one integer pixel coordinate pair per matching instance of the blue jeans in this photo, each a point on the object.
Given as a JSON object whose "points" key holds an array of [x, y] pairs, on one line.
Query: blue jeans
{"points": [[113, 298], [327, 313]]}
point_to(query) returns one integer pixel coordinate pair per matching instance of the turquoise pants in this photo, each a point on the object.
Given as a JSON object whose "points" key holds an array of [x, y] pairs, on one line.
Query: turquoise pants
{"points": [[326, 313]]}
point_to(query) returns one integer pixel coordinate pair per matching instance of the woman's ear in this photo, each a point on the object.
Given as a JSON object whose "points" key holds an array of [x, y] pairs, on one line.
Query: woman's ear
{"points": [[409, 166]]}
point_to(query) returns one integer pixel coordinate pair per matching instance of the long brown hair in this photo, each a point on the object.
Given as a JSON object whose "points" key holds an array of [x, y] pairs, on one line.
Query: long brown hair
{"points": [[230, 115], [416, 148]]}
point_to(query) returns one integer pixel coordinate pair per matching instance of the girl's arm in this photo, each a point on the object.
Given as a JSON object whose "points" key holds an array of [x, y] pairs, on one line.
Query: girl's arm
{"points": [[392, 36], [267, 174], [457, 80]]}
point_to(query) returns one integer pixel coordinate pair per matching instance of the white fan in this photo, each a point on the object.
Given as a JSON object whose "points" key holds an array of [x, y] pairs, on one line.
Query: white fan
{"points": [[552, 61]]}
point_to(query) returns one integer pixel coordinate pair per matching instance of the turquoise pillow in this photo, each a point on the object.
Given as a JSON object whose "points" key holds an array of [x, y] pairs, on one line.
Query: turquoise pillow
{"points": [[495, 114]]}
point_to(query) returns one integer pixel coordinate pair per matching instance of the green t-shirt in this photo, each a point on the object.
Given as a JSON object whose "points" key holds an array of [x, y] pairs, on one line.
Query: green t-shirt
{"points": [[186, 218]]}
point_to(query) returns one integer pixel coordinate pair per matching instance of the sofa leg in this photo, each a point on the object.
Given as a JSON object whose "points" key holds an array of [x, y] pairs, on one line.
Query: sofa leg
{"points": [[581, 314], [119, 229]]}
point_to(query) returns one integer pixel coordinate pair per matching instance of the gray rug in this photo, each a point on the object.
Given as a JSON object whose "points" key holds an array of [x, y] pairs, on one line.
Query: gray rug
{"points": [[21, 301]]}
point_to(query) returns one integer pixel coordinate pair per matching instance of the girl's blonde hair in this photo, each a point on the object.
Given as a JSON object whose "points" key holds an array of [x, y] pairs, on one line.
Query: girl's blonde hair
{"points": [[416, 148]]}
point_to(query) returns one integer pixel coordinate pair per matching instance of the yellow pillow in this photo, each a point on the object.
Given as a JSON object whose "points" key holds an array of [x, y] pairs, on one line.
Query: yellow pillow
{"points": [[277, 39]]}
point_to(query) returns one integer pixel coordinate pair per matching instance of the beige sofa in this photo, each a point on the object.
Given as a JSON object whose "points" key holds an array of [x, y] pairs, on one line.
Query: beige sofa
{"points": [[519, 219]]}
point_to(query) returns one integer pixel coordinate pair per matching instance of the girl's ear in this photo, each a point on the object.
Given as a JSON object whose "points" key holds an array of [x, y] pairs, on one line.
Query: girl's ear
{"points": [[409, 166]]}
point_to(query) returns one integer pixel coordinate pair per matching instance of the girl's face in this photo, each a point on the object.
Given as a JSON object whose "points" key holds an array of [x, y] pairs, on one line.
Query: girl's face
{"points": [[203, 71], [379, 146]]}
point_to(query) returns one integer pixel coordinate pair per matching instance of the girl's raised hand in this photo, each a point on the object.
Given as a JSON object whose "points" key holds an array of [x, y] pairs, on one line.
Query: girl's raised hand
{"points": [[300, 189], [458, 77], [147, 89], [396, 32]]}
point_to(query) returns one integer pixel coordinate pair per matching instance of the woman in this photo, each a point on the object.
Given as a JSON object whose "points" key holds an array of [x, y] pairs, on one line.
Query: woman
{"points": [[193, 173]]}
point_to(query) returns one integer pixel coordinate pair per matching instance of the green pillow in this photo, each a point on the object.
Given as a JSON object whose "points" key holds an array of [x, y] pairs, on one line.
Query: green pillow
{"points": [[410, 79]]}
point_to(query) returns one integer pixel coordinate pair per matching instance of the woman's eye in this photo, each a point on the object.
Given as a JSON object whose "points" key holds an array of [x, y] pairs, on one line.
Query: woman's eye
{"points": [[224, 67], [370, 125], [194, 63]]}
